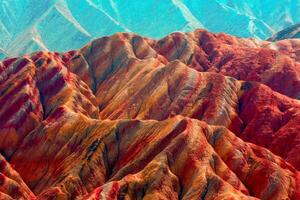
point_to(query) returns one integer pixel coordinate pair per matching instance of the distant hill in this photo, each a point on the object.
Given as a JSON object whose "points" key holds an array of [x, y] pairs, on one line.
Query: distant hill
{"points": [[60, 25], [287, 33]]}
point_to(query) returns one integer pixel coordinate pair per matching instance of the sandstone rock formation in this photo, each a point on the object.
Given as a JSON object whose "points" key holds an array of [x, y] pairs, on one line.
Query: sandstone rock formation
{"points": [[191, 116]]}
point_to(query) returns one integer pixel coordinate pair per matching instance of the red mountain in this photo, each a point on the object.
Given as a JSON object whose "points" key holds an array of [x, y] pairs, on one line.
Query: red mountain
{"points": [[191, 116]]}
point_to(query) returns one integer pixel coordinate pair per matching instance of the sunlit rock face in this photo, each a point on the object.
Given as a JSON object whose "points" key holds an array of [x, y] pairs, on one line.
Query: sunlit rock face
{"points": [[31, 25], [193, 115]]}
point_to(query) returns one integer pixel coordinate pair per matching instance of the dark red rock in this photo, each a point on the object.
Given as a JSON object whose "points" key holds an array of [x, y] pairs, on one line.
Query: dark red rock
{"points": [[131, 117]]}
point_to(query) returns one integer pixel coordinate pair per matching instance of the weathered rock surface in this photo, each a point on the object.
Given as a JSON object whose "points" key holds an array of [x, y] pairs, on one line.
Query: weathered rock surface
{"points": [[11, 184], [176, 158], [193, 115]]}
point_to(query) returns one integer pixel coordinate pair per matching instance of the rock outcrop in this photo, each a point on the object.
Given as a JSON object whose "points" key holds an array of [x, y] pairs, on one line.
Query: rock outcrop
{"points": [[193, 115]]}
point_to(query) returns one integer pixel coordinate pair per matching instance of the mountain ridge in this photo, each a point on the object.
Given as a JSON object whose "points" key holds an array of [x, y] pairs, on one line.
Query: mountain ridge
{"points": [[80, 21], [193, 115], [291, 32]]}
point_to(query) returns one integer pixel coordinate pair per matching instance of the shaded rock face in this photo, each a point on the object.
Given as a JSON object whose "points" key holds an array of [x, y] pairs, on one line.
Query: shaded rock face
{"points": [[191, 116], [287, 33]]}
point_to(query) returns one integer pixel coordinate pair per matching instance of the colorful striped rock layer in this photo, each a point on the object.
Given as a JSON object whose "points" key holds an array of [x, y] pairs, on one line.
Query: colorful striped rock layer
{"points": [[191, 116]]}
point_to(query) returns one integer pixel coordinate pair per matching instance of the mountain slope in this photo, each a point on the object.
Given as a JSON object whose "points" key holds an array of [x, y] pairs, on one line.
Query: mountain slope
{"points": [[67, 24], [193, 115], [287, 33]]}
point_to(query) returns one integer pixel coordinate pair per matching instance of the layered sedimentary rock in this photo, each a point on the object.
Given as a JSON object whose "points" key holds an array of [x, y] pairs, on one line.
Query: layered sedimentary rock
{"points": [[193, 115], [289, 47], [11, 184], [176, 158]]}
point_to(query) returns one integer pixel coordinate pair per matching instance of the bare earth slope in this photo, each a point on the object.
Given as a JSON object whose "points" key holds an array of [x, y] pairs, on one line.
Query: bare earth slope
{"points": [[191, 116]]}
